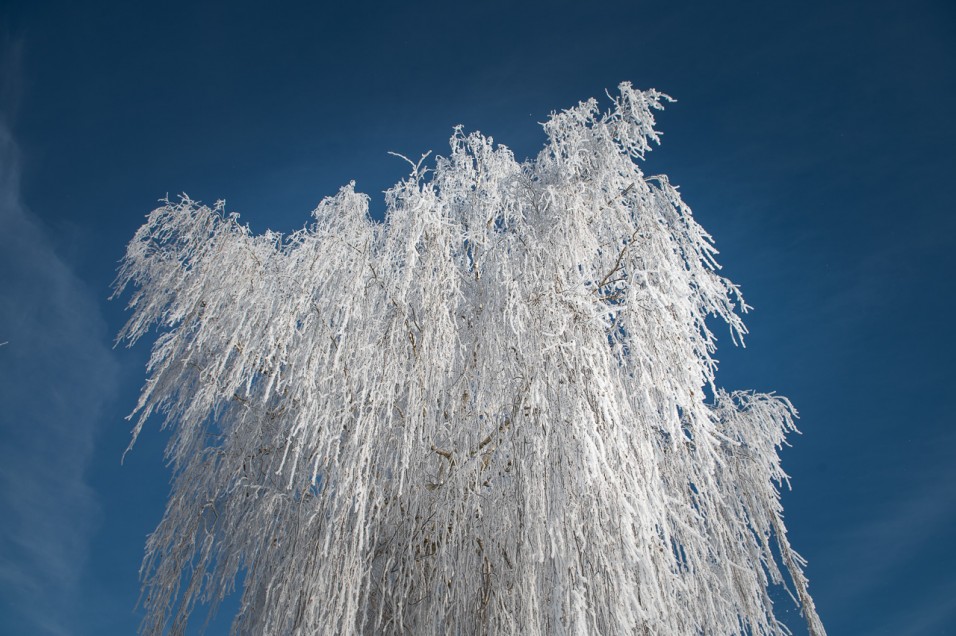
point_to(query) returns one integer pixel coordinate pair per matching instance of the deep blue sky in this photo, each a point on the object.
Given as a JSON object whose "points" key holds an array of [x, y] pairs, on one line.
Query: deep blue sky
{"points": [[814, 140]]}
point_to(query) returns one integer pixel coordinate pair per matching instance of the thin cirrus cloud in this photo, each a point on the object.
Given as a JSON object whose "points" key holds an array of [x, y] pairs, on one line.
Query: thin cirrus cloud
{"points": [[56, 376], [889, 543]]}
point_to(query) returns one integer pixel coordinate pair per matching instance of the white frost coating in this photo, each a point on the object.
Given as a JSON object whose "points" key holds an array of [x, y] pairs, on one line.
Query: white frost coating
{"points": [[486, 416]]}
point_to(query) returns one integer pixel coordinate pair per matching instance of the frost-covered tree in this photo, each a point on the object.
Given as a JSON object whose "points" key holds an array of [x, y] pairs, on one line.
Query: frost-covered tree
{"points": [[494, 413]]}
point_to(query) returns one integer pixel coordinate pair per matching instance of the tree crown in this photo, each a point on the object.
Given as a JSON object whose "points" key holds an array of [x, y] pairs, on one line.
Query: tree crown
{"points": [[487, 414]]}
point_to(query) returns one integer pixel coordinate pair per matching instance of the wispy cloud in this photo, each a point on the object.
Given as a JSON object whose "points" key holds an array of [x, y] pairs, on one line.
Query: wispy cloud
{"points": [[56, 375], [901, 540], [929, 616]]}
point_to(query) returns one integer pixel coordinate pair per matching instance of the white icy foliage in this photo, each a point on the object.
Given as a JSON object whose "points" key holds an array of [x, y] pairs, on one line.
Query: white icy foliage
{"points": [[487, 415]]}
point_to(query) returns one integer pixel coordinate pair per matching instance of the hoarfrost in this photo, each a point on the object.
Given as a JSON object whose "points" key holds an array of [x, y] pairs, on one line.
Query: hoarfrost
{"points": [[486, 415]]}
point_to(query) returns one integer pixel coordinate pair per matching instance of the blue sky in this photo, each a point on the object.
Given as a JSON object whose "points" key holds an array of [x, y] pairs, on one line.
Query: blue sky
{"points": [[814, 140]]}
